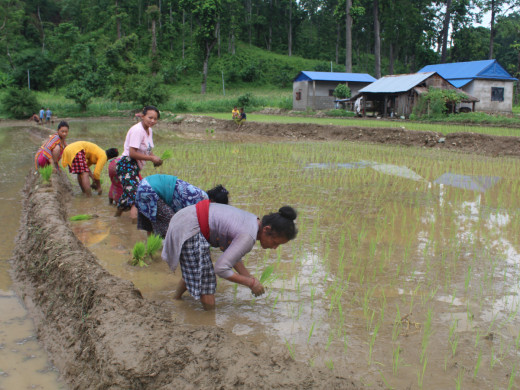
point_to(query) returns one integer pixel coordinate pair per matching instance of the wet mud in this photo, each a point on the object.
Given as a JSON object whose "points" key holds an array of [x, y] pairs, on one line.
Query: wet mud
{"points": [[466, 142], [101, 333]]}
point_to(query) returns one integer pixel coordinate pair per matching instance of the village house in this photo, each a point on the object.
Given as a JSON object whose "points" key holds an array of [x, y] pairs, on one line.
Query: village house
{"points": [[486, 80], [396, 95], [314, 90]]}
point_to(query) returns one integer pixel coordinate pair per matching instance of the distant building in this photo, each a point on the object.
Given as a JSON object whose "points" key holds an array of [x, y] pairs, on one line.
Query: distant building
{"points": [[314, 90], [485, 80], [396, 95]]}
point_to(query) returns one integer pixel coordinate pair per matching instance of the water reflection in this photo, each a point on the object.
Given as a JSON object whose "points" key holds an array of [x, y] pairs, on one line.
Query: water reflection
{"points": [[387, 169], [467, 182]]}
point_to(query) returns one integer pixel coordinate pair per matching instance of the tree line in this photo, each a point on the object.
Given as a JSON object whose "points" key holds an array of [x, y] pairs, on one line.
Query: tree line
{"points": [[106, 47]]}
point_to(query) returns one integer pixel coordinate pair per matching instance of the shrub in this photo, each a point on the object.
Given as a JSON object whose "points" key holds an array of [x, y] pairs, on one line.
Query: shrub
{"points": [[434, 103], [180, 106], [342, 91], [19, 103], [341, 113], [79, 94], [245, 100]]}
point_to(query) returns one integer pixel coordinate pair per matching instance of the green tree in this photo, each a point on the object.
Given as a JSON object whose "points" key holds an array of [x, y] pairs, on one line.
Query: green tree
{"points": [[19, 103], [79, 92], [206, 13]]}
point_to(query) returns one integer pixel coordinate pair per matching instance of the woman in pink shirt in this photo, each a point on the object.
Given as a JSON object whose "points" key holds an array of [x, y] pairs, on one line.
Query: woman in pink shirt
{"points": [[137, 150]]}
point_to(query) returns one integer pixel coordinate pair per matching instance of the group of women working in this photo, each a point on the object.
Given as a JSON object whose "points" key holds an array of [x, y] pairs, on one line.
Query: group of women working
{"points": [[190, 220]]}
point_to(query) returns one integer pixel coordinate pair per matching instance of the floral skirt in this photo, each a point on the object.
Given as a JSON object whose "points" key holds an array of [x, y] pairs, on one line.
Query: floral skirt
{"points": [[128, 174]]}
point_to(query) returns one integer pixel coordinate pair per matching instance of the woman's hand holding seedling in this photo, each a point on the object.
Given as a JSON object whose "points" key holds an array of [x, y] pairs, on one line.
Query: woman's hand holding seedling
{"points": [[256, 288]]}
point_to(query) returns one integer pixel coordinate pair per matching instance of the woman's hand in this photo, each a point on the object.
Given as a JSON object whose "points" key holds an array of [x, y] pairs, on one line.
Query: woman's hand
{"points": [[256, 288], [156, 160]]}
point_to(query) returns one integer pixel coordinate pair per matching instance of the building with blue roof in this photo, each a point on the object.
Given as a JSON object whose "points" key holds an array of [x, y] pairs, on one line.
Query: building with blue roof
{"points": [[314, 90], [485, 80], [397, 95]]}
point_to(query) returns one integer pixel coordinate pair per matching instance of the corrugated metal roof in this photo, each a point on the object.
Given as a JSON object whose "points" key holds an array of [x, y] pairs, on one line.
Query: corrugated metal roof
{"points": [[396, 83], [486, 69], [459, 83], [334, 76]]}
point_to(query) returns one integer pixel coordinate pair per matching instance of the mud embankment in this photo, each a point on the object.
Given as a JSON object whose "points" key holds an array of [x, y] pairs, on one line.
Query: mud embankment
{"points": [[102, 334], [465, 142]]}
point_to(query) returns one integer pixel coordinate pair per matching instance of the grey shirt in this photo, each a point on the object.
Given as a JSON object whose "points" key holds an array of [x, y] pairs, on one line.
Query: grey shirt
{"points": [[232, 230]]}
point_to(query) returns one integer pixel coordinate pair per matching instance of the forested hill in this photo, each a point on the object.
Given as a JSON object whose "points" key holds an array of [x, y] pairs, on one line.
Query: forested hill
{"points": [[88, 48]]}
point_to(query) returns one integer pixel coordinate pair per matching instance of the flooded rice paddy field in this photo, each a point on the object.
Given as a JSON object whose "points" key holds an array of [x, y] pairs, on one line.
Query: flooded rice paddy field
{"points": [[405, 268]]}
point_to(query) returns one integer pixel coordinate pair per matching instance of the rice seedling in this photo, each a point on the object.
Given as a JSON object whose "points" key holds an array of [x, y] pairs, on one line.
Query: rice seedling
{"points": [[81, 217], [477, 364], [45, 173], [512, 378], [458, 380], [266, 274], [420, 374], [396, 358]]}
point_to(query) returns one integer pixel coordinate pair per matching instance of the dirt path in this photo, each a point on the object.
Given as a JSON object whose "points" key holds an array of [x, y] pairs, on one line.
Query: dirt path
{"points": [[102, 334], [461, 142]]}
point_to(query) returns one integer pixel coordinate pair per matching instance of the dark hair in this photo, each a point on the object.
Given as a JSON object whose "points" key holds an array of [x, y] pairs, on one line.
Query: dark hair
{"points": [[282, 222], [63, 124], [111, 153], [153, 108], [218, 194]]}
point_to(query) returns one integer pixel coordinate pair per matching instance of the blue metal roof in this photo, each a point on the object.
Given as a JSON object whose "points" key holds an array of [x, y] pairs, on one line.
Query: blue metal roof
{"points": [[396, 83], [335, 76], [465, 72]]}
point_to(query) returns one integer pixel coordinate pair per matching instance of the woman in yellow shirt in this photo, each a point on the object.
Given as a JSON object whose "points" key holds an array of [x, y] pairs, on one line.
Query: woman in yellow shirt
{"points": [[79, 156]]}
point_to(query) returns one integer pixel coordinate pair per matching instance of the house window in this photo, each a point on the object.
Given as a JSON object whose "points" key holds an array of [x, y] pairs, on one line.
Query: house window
{"points": [[298, 96], [497, 94], [331, 92]]}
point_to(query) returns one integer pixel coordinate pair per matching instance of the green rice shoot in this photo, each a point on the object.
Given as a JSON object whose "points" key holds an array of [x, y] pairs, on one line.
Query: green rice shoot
{"points": [[80, 217], [266, 274], [166, 155], [45, 173]]}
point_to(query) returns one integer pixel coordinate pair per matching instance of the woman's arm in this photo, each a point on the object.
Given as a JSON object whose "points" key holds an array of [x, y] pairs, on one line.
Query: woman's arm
{"points": [[244, 278], [137, 155]]}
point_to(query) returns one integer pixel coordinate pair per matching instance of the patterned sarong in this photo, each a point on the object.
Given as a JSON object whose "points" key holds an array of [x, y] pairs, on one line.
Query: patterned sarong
{"points": [[197, 268], [128, 174], [79, 164]]}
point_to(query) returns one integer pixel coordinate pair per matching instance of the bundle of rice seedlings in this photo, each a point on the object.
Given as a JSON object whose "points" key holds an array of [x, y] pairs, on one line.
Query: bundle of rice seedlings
{"points": [[166, 155], [138, 253], [80, 217], [45, 173], [153, 244]]}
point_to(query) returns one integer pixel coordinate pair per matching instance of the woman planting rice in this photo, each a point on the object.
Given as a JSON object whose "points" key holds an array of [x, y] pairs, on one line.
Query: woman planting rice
{"points": [[50, 152], [79, 156], [137, 150], [195, 228], [159, 197]]}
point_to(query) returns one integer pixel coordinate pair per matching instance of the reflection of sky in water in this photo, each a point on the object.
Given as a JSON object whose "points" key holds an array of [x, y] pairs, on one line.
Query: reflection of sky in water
{"points": [[474, 183], [387, 169]]}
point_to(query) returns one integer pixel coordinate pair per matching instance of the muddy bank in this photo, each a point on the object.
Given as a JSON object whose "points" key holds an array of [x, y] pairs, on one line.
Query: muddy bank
{"points": [[461, 142], [101, 333]]}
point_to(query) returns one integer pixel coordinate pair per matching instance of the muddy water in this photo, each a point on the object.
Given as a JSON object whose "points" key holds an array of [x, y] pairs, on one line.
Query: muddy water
{"points": [[23, 363], [405, 271]]}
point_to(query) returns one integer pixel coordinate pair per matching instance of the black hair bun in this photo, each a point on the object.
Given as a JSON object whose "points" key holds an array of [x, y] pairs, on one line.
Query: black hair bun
{"points": [[288, 212]]}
